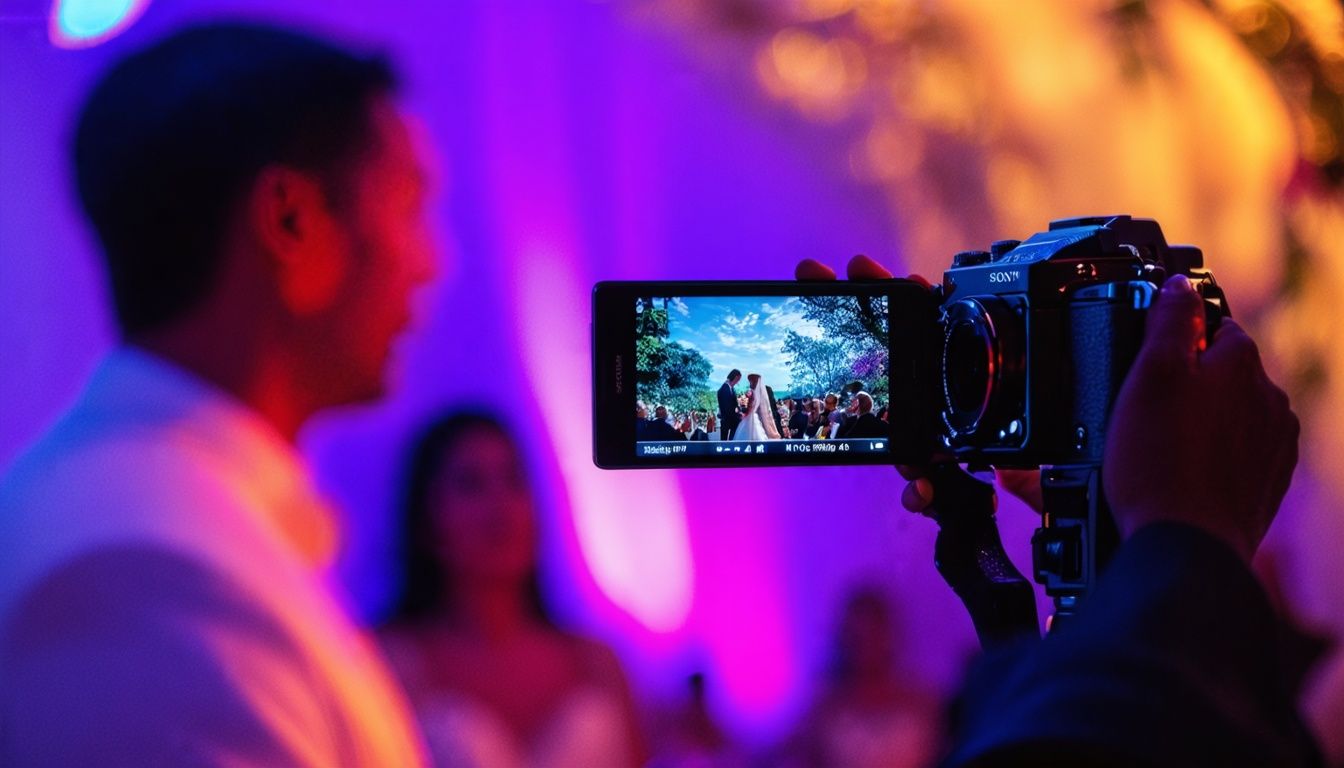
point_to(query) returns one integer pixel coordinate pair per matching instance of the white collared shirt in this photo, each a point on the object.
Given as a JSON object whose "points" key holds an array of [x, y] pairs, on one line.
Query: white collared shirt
{"points": [[163, 592]]}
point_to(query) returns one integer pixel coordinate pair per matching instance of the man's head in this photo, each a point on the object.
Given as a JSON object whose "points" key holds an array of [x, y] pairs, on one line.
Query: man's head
{"points": [[831, 402], [660, 413], [734, 376], [257, 180], [641, 410]]}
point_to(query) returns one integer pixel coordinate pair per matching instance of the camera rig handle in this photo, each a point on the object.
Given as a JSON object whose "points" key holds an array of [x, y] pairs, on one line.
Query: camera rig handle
{"points": [[1076, 538], [969, 554]]}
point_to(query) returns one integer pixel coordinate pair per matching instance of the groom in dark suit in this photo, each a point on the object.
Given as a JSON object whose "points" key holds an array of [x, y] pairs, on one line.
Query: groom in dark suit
{"points": [[728, 416]]}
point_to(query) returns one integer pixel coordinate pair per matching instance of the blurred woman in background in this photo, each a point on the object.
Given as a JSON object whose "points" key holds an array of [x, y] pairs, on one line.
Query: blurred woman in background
{"points": [[869, 714], [494, 682]]}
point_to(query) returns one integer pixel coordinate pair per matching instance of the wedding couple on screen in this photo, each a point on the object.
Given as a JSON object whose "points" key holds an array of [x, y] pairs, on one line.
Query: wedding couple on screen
{"points": [[755, 421]]}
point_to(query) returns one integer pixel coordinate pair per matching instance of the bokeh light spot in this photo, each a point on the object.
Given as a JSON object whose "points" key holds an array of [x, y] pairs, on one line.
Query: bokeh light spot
{"points": [[84, 23]]}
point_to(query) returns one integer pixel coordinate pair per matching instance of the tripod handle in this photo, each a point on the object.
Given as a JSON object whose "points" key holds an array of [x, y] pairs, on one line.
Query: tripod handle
{"points": [[969, 554], [1077, 536]]}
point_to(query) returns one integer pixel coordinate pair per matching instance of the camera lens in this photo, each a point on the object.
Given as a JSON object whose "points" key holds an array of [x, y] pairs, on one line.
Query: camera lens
{"points": [[983, 364], [967, 367]]}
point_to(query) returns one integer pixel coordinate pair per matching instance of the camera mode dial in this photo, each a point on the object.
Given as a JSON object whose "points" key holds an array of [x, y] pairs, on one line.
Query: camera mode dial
{"points": [[1000, 248], [970, 258]]}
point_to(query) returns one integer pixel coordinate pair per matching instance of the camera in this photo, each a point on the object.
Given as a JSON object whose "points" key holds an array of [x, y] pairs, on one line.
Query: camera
{"points": [[1013, 360], [1037, 336]]}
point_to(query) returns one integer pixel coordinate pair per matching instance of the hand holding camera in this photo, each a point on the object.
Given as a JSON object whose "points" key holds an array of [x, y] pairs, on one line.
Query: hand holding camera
{"points": [[1186, 435], [1199, 434], [1188, 432]]}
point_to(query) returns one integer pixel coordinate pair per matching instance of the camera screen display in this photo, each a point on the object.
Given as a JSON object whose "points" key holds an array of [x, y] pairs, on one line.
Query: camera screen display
{"points": [[717, 377]]}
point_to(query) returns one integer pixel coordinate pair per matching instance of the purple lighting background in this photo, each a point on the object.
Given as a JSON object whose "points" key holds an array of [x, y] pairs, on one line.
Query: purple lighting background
{"points": [[579, 142]]}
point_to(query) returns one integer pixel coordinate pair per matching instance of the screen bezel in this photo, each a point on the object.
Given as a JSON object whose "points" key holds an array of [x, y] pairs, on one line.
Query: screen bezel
{"points": [[912, 379]]}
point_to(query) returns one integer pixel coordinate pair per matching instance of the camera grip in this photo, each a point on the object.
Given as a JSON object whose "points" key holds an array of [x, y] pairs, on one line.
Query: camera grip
{"points": [[1106, 327], [1105, 331], [970, 557]]}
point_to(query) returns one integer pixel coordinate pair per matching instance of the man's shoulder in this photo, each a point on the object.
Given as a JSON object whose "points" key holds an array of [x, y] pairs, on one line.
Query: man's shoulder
{"points": [[126, 473], [71, 448], [144, 635], [75, 492], [124, 586], [129, 607]]}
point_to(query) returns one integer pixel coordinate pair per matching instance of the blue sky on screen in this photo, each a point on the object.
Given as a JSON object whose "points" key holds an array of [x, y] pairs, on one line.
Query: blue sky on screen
{"points": [[746, 333]]}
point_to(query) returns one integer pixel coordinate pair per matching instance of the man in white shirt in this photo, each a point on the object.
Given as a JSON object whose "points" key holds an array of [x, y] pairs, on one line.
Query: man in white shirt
{"points": [[259, 201]]}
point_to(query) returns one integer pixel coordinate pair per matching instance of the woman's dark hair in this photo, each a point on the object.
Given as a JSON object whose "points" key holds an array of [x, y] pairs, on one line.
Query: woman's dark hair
{"points": [[424, 586]]}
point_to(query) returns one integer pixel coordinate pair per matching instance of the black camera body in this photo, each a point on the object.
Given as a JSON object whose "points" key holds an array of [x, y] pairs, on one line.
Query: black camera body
{"points": [[1037, 338], [1013, 361], [1038, 335]]}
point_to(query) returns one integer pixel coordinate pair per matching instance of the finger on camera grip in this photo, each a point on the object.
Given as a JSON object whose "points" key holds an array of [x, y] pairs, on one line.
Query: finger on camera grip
{"points": [[917, 496], [1278, 397], [1175, 325], [1288, 455], [1023, 484], [1233, 350]]}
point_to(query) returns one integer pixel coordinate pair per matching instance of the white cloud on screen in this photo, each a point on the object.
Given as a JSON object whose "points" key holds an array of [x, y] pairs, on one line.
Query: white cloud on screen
{"points": [[741, 324], [789, 316], [741, 333], [759, 345]]}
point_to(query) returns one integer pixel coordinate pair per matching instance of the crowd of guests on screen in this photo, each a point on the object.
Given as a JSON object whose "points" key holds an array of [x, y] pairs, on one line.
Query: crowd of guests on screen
{"points": [[855, 416], [495, 681]]}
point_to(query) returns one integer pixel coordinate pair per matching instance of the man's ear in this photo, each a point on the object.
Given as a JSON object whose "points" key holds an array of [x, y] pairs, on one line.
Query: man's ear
{"points": [[300, 236]]}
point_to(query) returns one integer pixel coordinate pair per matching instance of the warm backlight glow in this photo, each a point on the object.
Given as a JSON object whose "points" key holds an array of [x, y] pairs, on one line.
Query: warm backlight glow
{"points": [[631, 527]]}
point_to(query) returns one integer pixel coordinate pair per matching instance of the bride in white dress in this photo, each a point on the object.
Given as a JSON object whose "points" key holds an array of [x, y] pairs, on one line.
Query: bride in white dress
{"points": [[757, 423]]}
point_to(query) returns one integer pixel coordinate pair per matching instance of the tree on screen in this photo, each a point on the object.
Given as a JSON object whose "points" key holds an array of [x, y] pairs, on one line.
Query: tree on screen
{"points": [[817, 365], [668, 373], [855, 333], [858, 322]]}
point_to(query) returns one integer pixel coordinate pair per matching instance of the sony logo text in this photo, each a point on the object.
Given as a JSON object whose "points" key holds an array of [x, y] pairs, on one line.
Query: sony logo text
{"points": [[1004, 277]]}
